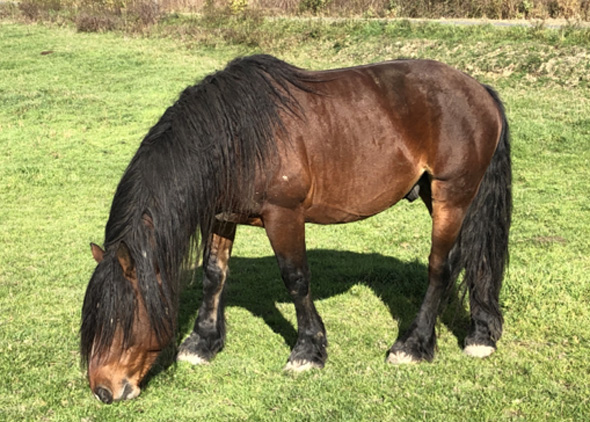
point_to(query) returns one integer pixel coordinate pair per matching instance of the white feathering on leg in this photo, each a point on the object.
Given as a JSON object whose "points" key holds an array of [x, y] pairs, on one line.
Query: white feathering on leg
{"points": [[194, 359], [479, 350], [400, 358], [300, 366]]}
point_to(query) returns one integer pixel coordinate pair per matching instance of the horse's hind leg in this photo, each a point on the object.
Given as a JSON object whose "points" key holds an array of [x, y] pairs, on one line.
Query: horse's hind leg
{"points": [[286, 231], [447, 211], [208, 335]]}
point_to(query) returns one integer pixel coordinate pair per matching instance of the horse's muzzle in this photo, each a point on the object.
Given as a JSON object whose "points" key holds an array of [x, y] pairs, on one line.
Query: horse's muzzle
{"points": [[106, 396]]}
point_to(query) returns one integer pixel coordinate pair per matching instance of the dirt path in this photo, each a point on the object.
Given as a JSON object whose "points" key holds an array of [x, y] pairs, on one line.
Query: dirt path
{"points": [[547, 23], [544, 23]]}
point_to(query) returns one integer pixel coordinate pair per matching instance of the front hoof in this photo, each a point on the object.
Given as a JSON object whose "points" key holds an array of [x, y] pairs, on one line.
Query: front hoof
{"points": [[192, 358], [479, 350], [302, 365], [401, 358], [193, 351]]}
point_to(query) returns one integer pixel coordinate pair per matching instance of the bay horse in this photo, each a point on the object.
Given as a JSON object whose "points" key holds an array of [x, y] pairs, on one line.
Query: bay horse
{"points": [[268, 144]]}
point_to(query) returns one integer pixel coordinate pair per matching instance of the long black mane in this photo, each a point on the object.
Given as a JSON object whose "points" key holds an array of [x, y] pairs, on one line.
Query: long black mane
{"points": [[202, 154]]}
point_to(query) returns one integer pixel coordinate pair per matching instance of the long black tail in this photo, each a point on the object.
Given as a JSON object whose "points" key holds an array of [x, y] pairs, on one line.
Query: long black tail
{"points": [[482, 246]]}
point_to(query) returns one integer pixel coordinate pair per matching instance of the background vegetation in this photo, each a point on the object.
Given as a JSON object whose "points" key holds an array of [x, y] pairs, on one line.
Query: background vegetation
{"points": [[149, 11], [75, 105]]}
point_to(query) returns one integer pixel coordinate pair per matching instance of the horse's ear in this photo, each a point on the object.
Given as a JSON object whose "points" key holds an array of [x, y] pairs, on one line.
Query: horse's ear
{"points": [[126, 261], [97, 252], [148, 221]]}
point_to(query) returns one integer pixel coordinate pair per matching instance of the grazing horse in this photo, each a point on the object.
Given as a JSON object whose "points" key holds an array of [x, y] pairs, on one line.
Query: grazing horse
{"points": [[268, 144]]}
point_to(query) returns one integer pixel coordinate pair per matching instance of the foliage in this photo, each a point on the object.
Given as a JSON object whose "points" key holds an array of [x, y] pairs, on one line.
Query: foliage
{"points": [[238, 6], [572, 10]]}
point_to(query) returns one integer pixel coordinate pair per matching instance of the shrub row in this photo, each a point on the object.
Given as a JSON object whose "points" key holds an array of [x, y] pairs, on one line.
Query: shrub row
{"points": [[104, 15]]}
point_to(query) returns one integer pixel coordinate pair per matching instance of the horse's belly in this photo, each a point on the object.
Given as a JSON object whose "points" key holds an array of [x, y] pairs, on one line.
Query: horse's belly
{"points": [[346, 199], [332, 214]]}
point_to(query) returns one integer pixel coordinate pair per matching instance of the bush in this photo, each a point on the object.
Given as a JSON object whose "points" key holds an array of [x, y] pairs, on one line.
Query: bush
{"points": [[96, 22], [101, 15], [38, 9]]}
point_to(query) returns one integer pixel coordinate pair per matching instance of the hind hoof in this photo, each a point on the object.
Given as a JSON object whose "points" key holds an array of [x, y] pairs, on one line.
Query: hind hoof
{"points": [[479, 350], [301, 366], [401, 358]]}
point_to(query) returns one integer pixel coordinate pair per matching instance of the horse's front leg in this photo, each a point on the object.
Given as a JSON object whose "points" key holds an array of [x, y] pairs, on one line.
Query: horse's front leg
{"points": [[286, 231], [208, 335]]}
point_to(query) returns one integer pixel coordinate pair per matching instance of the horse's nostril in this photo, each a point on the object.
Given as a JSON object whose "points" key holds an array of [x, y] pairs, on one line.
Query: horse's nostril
{"points": [[127, 391], [104, 395]]}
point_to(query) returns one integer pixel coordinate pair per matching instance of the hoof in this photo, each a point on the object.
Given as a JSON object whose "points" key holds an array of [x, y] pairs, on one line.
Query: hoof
{"points": [[191, 358], [301, 366], [479, 350], [401, 358]]}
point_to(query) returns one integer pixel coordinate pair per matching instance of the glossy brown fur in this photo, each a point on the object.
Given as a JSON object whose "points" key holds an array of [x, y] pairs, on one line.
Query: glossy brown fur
{"points": [[351, 144], [373, 133]]}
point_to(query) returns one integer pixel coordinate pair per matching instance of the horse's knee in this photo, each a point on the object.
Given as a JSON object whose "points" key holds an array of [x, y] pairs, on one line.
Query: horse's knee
{"points": [[296, 279], [297, 284]]}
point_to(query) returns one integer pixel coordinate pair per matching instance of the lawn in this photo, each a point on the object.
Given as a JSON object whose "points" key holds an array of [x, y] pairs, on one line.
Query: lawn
{"points": [[74, 107]]}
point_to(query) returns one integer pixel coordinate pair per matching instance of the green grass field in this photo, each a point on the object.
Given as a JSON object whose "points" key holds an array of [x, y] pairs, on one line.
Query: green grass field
{"points": [[70, 121]]}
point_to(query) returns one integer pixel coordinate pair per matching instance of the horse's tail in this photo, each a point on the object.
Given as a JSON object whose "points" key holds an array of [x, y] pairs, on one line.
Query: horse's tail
{"points": [[481, 248]]}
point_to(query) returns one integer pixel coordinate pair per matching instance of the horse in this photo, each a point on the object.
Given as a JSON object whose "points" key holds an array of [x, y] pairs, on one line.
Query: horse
{"points": [[268, 144]]}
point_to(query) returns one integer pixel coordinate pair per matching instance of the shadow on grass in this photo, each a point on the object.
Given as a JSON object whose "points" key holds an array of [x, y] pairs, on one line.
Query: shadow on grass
{"points": [[255, 285]]}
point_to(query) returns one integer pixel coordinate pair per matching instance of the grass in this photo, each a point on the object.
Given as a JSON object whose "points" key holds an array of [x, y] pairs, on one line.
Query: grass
{"points": [[70, 121]]}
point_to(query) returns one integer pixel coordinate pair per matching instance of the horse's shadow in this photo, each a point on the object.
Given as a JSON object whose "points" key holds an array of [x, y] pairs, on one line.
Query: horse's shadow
{"points": [[255, 285]]}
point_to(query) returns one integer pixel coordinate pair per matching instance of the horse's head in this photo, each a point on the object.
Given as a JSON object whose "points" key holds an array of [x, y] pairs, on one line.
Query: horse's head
{"points": [[118, 341]]}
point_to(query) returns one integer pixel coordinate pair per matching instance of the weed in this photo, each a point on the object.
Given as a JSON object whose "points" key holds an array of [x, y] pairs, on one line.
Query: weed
{"points": [[147, 12], [96, 22], [38, 9]]}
